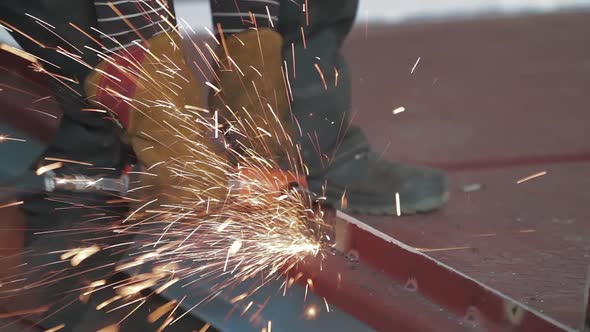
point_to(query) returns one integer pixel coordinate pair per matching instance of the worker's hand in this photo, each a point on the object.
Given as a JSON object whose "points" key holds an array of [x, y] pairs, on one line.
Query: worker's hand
{"points": [[252, 95], [151, 91]]}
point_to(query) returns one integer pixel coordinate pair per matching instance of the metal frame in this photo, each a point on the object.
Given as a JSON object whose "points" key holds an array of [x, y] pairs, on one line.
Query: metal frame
{"points": [[388, 284]]}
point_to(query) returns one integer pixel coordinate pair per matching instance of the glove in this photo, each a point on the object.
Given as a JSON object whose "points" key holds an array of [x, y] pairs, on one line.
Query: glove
{"points": [[253, 96], [153, 95]]}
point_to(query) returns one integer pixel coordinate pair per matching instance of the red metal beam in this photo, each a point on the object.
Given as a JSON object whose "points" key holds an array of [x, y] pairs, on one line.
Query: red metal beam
{"points": [[500, 163], [388, 284]]}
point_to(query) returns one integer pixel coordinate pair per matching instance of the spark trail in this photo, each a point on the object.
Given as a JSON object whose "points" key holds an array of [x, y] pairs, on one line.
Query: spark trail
{"points": [[258, 229]]}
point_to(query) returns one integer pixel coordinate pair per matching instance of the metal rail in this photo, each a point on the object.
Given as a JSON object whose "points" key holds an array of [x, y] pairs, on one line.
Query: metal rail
{"points": [[391, 286]]}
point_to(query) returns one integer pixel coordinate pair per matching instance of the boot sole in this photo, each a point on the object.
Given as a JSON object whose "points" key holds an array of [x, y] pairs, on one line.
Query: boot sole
{"points": [[424, 206]]}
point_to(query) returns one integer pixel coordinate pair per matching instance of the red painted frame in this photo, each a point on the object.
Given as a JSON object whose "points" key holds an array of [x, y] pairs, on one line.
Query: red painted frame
{"points": [[391, 286]]}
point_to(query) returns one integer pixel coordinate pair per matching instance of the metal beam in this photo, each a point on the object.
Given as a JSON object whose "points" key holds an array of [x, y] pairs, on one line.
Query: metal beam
{"points": [[387, 284]]}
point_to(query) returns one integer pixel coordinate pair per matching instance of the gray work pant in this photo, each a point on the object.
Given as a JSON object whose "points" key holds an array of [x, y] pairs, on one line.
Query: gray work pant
{"points": [[322, 111]]}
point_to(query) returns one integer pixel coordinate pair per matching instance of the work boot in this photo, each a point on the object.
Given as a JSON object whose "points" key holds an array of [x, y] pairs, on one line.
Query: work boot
{"points": [[357, 180], [321, 90]]}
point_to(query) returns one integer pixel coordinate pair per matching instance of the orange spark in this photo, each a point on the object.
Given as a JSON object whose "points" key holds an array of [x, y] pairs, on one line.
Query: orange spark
{"points": [[311, 312], [530, 177], [11, 204], [247, 307], [7, 138], [399, 110], [49, 167], [303, 38], [110, 328], [161, 311], [118, 12], [415, 65], [107, 302], [22, 313], [306, 9], [56, 328], [321, 73], [18, 52], [293, 55], [205, 327], [68, 161]]}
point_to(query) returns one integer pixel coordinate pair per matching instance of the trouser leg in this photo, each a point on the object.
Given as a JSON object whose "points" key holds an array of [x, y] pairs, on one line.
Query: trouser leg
{"points": [[313, 41], [337, 154]]}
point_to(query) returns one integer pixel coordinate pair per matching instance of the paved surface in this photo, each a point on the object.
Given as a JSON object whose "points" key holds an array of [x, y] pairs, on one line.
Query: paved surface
{"points": [[493, 101]]}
